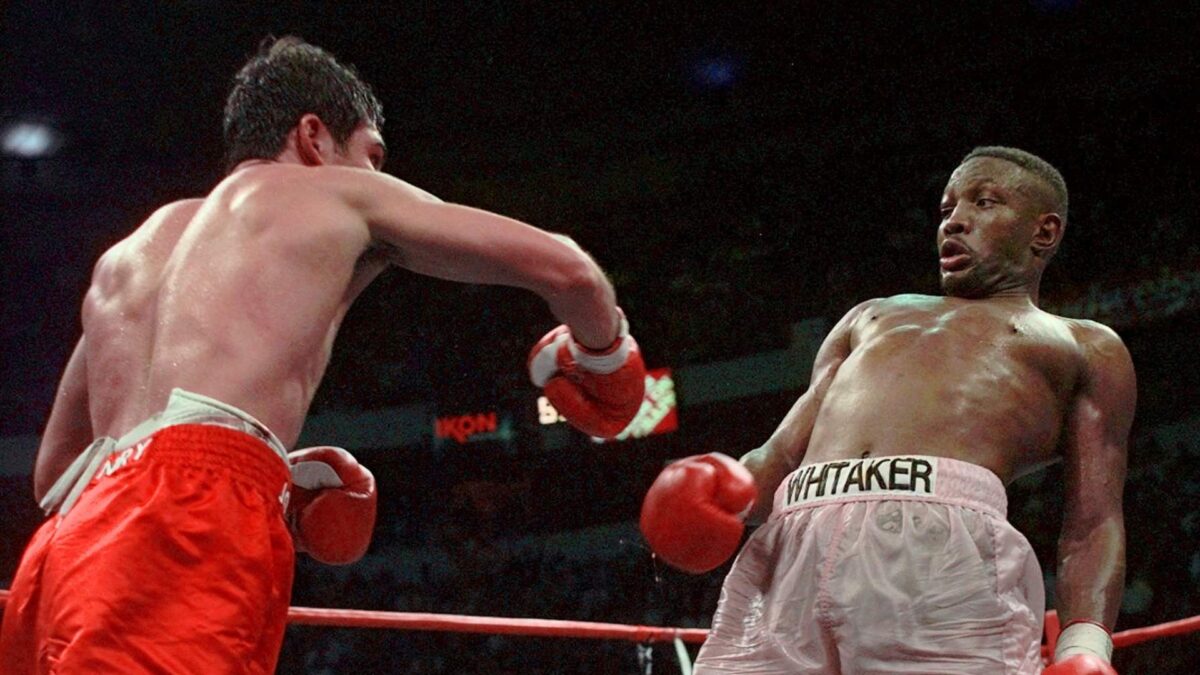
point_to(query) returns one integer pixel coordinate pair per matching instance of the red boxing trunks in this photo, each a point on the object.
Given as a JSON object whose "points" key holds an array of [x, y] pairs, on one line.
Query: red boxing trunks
{"points": [[175, 558]]}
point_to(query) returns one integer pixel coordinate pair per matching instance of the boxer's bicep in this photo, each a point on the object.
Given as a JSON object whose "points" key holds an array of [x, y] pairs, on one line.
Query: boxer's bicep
{"points": [[69, 428], [1097, 433], [791, 436], [465, 244], [1091, 547], [461, 243]]}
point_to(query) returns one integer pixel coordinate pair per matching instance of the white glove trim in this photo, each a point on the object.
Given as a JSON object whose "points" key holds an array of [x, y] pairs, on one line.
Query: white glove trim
{"points": [[545, 363], [1084, 637], [612, 359], [313, 475]]}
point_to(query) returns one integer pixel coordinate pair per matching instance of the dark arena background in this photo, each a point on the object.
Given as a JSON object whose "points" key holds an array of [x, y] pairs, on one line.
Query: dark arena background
{"points": [[746, 173]]}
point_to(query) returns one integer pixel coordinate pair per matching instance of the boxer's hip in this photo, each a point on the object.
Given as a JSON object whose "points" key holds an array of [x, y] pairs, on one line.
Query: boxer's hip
{"points": [[867, 559], [192, 430]]}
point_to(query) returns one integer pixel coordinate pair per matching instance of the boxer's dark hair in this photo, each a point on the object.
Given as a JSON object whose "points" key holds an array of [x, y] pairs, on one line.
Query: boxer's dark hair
{"points": [[285, 80], [1057, 197]]}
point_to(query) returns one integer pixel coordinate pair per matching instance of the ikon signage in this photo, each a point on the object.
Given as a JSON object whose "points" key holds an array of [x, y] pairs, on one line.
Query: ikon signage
{"points": [[472, 427]]}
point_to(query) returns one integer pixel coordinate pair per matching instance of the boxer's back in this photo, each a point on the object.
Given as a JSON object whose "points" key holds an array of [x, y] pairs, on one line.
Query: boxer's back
{"points": [[237, 296]]}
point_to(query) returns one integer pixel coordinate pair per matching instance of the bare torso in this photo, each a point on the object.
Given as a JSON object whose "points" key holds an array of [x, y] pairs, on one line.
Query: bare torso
{"points": [[986, 381], [237, 296]]}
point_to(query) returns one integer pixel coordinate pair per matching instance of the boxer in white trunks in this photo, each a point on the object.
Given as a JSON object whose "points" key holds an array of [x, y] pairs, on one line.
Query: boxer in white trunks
{"points": [[885, 547]]}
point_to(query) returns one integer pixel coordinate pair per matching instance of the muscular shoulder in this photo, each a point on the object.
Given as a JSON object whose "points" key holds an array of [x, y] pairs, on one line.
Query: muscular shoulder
{"points": [[863, 312], [176, 211], [294, 194], [318, 181], [1097, 340], [1108, 364], [876, 307], [906, 301], [293, 202], [160, 230], [1088, 334]]}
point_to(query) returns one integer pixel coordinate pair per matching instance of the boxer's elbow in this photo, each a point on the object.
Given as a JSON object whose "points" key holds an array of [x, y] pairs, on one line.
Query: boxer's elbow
{"points": [[52, 460], [577, 279], [767, 476], [42, 480]]}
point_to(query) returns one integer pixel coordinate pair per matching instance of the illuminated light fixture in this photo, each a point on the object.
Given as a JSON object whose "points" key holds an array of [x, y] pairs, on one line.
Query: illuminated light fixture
{"points": [[716, 72], [29, 140]]}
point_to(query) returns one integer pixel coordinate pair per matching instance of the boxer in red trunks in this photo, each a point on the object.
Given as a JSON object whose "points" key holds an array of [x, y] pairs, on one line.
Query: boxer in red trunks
{"points": [[885, 547], [205, 334]]}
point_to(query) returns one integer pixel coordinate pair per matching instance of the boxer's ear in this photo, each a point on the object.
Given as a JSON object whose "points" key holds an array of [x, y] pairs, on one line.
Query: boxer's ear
{"points": [[1047, 235], [314, 143]]}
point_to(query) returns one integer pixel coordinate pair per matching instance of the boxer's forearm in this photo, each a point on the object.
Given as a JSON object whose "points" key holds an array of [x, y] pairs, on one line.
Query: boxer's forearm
{"points": [[423, 234], [785, 449], [587, 304], [1091, 572], [768, 469]]}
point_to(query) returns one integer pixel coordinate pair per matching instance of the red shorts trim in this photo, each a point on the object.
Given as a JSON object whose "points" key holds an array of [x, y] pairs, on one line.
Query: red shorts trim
{"points": [[175, 559]]}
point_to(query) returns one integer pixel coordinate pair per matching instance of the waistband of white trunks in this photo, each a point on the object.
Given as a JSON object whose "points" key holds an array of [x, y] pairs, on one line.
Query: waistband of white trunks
{"points": [[897, 477]]}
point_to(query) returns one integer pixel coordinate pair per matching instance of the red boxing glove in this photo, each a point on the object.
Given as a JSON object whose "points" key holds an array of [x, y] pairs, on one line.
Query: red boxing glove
{"points": [[692, 515], [598, 392], [1080, 664], [331, 512]]}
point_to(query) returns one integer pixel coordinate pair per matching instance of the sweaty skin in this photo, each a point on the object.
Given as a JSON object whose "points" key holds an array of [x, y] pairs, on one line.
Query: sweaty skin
{"points": [[238, 296], [984, 376], [981, 381]]}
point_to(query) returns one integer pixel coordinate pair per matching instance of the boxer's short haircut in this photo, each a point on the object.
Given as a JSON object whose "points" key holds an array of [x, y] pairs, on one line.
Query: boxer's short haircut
{"points": [[285, 80], [1033, 164]]}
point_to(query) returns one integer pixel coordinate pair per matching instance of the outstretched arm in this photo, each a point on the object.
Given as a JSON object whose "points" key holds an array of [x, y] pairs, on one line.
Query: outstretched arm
{"points": [[1091, 546], [692, 516], [461, 243], [69, 429], [782, 453]]}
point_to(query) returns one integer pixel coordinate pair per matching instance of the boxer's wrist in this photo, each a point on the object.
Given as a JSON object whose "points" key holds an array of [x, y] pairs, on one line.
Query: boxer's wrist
{"points": [[607, 359], [1084, 636]]}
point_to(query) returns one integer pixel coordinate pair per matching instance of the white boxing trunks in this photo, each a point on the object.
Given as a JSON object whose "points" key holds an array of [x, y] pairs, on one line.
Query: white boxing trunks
{"points": [[901, 564]]}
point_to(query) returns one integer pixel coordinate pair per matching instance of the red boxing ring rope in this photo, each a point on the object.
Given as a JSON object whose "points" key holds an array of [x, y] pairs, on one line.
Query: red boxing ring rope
{"points": [[1124, 638], [458, 623], [1134, 636]]}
